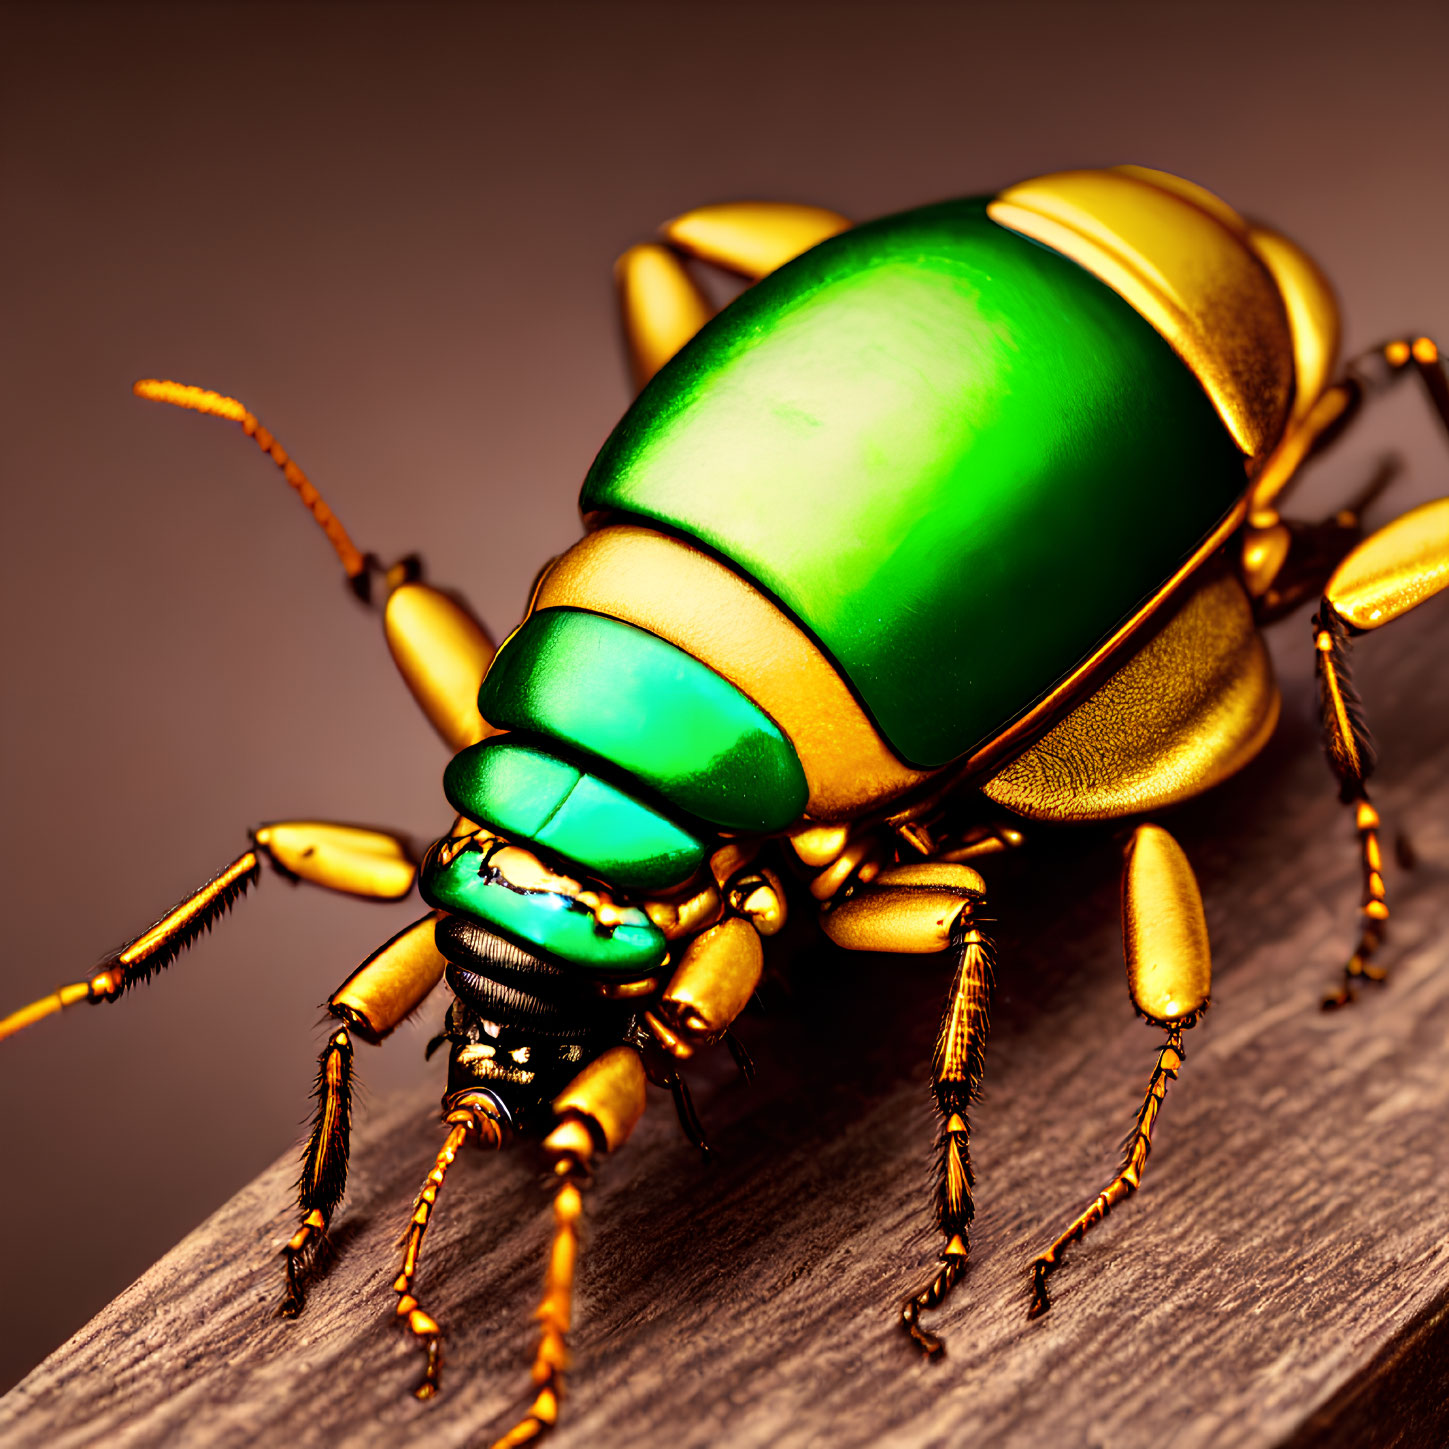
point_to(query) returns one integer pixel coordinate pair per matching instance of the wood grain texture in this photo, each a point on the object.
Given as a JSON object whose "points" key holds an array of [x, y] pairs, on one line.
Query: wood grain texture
{"points": [[1280, 1280]]}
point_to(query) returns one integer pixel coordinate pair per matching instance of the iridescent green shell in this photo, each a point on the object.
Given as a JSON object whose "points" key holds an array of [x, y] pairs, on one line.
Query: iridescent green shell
{"points": [[958, 458]]}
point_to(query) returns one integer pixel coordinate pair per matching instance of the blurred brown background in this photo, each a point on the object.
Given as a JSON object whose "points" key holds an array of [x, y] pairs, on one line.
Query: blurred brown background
{"points": [[389, 230]]}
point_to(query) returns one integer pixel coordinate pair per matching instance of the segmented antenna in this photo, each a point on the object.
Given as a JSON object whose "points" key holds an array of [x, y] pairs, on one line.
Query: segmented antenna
{"points": [[202, 400]]}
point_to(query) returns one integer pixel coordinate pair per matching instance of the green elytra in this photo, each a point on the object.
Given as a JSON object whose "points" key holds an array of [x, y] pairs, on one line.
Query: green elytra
{"points": [[956, 457]]}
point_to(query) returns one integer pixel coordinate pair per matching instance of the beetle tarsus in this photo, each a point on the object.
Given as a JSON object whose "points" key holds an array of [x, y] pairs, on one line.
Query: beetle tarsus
{"points": [[742, 1059], [688, 1117], [953, 1265], [1170, 1058]]}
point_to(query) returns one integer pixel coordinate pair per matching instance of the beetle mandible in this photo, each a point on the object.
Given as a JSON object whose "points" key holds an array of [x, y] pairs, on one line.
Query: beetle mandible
{"points": [[803, 639]]}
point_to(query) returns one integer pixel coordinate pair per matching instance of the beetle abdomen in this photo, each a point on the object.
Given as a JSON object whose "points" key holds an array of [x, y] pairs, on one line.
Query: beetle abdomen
{"points": [[957, 457]]}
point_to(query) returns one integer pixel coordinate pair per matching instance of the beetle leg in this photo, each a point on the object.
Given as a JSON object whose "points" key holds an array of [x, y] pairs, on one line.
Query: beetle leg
{"points": [[390, 985], [955, 1081], [555, 1312], [324, 1167], [1388, 574], [932, 906], [470, 1120], [981, 840], [596, 1111], [752, 238], [1369, 375], [662, 306], [1129, 1176], [1169, 971], [346, 858], [1287, 563]]}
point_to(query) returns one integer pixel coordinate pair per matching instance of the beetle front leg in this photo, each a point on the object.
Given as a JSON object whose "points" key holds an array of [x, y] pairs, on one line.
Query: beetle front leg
{"points": [[387, 988], [355, 861], [920, 908]]}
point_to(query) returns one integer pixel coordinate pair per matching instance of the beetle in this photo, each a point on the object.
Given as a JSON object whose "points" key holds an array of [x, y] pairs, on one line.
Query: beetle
{"points": [[802, 653]]}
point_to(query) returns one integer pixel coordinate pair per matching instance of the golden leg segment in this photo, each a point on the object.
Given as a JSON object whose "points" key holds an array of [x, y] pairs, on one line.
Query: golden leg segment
{"points": [[1350, 752], [1128, 1179], [550, 1358], [324, 1167], [151, 951], [348, 858], [421, 1325], [956, 1079], [1373, 910]]}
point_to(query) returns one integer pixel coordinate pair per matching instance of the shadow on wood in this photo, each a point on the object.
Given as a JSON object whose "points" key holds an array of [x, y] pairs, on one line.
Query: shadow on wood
{"points": [[1280, 1280]]}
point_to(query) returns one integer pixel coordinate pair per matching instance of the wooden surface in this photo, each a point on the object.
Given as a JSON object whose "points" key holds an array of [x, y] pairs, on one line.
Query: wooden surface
{"points": [[1280, 1280]]}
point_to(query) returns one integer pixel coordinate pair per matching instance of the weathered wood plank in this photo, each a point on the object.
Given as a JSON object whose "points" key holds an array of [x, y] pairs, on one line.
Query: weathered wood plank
{"points": [[1281, 1279]]}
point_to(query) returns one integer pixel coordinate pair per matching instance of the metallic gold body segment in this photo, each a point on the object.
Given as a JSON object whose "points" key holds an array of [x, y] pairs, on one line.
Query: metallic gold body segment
{"points": [[442, 653], [1312, 314], [347, 858], [1093, 670], [1182, 714], [661, 307], [392, 983], [1169, 974], [202, 400], [1195, 278], [1190, 191], [752, 238], [682, 594]]}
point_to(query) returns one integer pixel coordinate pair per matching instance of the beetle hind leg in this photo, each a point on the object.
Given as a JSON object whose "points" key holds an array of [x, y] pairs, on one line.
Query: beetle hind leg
{"points": [[1390, 573], [1169, 971], [1129, 1176]]}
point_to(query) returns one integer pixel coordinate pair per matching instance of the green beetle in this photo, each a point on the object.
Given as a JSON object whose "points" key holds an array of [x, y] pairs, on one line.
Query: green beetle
{"points": [[952, 521]]}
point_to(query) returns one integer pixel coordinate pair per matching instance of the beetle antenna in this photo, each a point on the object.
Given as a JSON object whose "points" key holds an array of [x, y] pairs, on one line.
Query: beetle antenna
{"points": [[215, 404]]}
